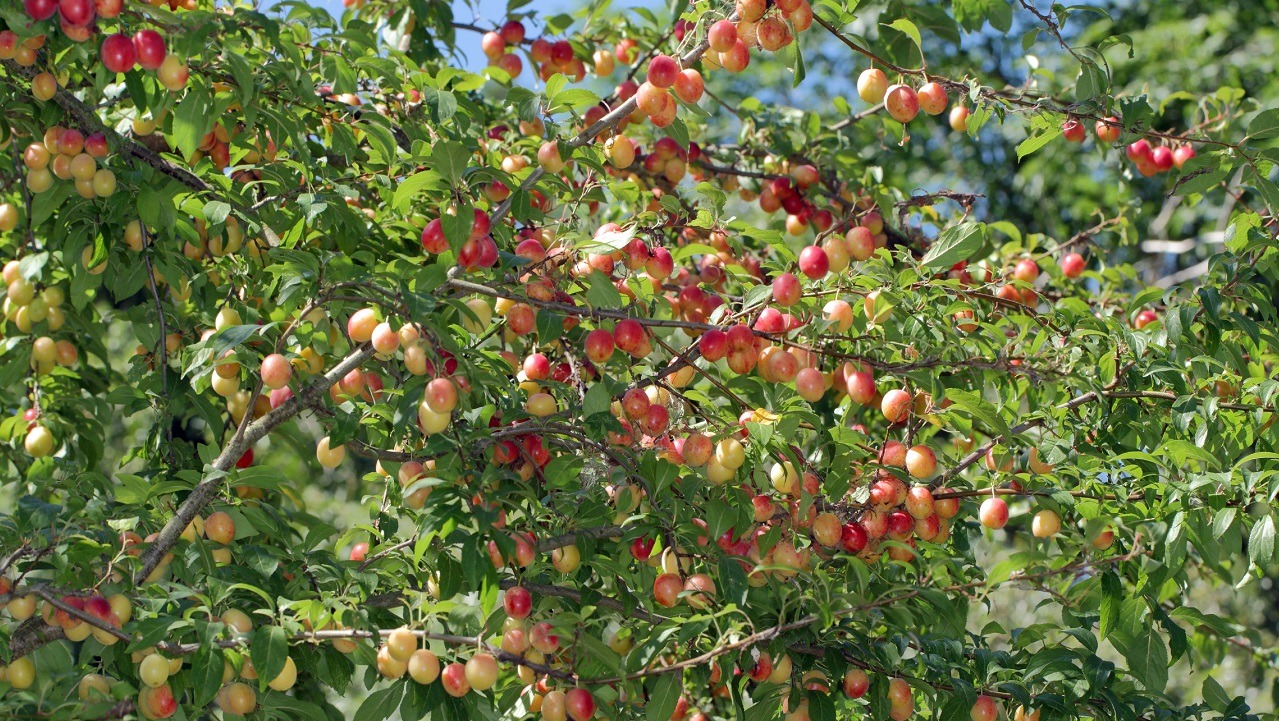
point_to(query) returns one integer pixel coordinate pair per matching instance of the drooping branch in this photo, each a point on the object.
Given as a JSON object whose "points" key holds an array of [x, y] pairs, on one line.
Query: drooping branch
{"points": [[35, 633], [768, 634]]}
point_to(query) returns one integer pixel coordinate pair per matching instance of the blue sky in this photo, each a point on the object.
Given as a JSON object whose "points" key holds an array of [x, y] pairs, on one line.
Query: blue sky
{"points": [[489, 12]]}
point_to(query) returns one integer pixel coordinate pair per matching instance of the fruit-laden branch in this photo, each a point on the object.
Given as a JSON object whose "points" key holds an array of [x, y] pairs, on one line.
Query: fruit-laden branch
{"points": [[205, 491], [86, 120], [981, 451], [1021, 100], [1021, 492], [575, 596], [544, 546], [604, 313], [35, 633], [608, 122], [572, 537], [806, 621], [181, 649], [678, 362], [51, 597], [853, 660], [394, 599]]}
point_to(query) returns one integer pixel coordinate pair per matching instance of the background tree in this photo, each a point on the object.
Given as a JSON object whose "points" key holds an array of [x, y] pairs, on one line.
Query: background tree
{"points": [[738, 380]]}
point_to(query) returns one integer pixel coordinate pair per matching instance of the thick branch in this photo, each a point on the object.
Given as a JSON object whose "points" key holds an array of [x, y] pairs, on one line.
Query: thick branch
{"points": [[86, 120], [203, 493]]}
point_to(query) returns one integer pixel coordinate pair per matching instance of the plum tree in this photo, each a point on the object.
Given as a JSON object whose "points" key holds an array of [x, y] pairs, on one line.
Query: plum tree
{"points": [[632, 372]]}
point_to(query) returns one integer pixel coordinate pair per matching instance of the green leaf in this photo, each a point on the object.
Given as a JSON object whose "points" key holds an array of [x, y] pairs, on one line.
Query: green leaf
{"points": [[1147, 656], [1216, 696], [216, 211], [678, 131], [441, 104], [979, 408], [550, 326], [766, 708], [1181, 450], [206, 673], [956, 243], [576, 99], [450, 159], [1035, 142], [1194, 616], [732, 578], [1175, 542], [801, 72], [1112, 595], [379, 705], [820, 706], [414, 184], [1202, 173], [243, 75], [1091, 82], [1266, 188], [1264, 125], [1222, 521], [155, 209], [381, 141], [457, 226], [601, 293], [191, 120], [597, 400], [1261, 542], [971, 14], [596, 653], [30, 266], [664, 696], [268, 651], [908, 28], [451, 576]]}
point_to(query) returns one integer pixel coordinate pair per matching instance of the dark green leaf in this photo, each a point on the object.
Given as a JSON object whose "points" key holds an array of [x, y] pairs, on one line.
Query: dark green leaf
{"points": [[1111, 600], [379, 705], [206, 673], [191, 120], [268, 651], [1146, 654], [663, 697]]}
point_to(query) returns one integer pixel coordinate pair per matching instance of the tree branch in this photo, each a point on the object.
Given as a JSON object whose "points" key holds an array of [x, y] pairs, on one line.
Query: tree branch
{"points": [[205, 491], [86, 119]]}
